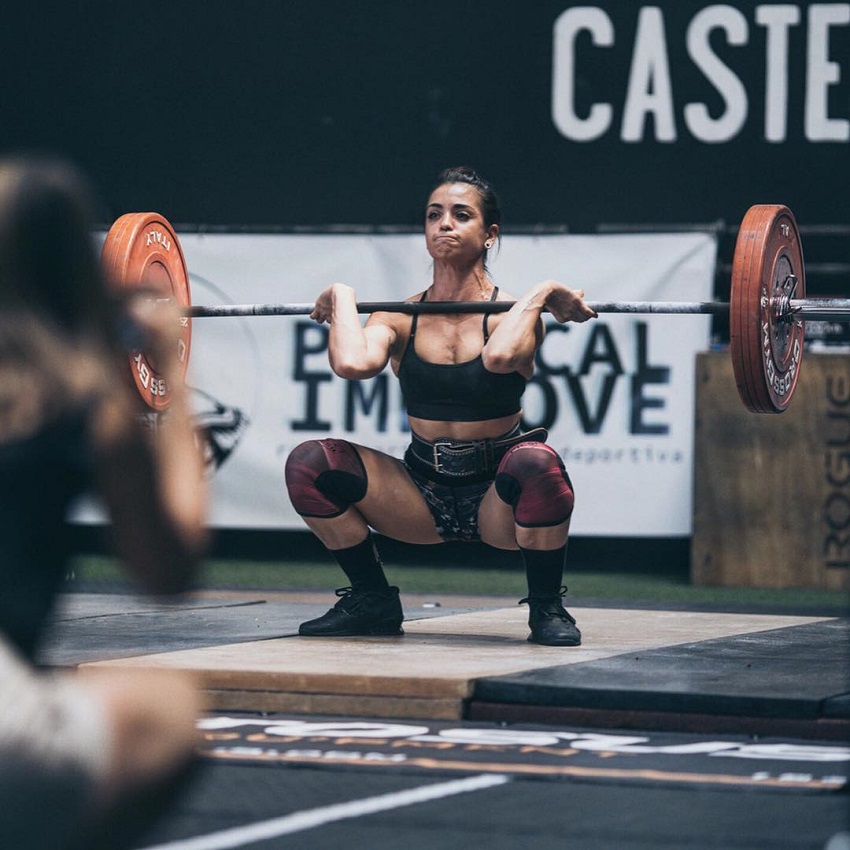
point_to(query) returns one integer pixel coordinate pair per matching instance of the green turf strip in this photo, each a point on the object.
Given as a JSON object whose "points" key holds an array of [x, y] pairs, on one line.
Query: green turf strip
{"points": [[98, 572]]}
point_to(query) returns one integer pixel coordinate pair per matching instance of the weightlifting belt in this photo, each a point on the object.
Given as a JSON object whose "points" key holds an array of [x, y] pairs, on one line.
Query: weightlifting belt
{"points": [[467, 458]]}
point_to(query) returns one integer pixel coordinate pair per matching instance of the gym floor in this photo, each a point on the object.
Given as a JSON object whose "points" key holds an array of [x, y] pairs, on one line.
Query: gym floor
{"points": [[666, 728]]}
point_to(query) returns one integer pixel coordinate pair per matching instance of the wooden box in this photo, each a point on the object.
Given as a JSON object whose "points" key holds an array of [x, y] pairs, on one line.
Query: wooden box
{"points": [[772, 492]]}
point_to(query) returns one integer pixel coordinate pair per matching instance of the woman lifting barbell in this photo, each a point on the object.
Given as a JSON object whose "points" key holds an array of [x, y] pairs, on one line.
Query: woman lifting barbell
{"points": [[469, 473]]}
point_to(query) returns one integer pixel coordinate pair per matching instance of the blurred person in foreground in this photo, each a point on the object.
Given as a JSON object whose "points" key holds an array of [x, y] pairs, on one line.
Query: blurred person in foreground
{"points": [[470, 472], [75, 749]]}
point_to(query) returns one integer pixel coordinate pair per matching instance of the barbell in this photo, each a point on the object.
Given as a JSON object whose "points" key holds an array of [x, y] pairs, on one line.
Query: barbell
{"points": [[767, 307]]}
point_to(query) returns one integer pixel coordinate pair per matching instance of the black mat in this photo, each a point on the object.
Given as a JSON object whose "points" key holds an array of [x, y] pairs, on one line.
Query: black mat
{"points": [[109, 627], [798, 671]]}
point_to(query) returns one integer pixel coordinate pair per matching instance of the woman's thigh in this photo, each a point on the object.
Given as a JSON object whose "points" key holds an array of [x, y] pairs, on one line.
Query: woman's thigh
{"points": [[393, 505], [496, 521]]}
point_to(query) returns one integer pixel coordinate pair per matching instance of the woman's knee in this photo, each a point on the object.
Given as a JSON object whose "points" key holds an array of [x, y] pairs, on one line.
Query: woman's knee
{"points": [[531, 478], [325, 477]]}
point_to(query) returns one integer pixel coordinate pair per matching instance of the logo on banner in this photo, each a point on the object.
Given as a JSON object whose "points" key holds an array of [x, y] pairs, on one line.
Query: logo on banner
{"points": [[588, 384]]}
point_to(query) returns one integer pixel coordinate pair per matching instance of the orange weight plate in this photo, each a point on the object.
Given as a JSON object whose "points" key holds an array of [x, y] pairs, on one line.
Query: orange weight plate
{"points": [[766, 343], [142, 250]]}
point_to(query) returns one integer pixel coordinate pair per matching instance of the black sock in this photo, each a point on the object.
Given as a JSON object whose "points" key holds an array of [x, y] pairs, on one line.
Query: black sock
{"points": [[544, 570], [362, 565]]}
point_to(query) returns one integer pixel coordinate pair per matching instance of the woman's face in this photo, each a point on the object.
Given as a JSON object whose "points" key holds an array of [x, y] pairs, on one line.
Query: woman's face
{"points": [[455, 230]]}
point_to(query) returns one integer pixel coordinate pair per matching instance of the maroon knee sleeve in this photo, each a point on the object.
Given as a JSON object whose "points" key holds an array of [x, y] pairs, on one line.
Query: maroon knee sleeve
{"points": [[325, 477], [532, 479]]}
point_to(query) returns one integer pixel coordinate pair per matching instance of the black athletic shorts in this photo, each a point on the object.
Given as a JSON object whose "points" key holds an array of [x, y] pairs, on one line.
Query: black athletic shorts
{"points": [[453, 507], [454, 475]]}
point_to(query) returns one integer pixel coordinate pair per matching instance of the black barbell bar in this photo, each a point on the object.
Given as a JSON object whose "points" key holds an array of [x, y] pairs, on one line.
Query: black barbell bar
{"points": [[817, 309]]}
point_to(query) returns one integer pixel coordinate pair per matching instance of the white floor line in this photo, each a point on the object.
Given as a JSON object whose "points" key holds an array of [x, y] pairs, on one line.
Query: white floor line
{"points": [[263, 830]]}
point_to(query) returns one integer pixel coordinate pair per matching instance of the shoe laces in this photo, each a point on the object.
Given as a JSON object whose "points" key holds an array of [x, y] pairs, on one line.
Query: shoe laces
{"points": [[544, 597], [351, 598], [554, 608], [348, 598]]}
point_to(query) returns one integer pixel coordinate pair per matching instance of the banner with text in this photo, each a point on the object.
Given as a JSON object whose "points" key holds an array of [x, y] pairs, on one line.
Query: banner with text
{"points": [[616, 394]]}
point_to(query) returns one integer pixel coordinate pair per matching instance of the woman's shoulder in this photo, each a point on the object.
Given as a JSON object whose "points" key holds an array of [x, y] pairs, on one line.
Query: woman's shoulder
{"points": [[418, 296], [396, 319], [398, 324]]}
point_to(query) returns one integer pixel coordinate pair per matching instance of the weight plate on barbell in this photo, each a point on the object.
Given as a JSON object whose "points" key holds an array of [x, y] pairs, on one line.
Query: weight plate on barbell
{"points": [[766, 342], [142, 250]]}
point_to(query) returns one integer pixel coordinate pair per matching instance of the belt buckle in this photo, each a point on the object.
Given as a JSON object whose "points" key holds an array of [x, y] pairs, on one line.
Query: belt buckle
{"points": [[435, 454]]}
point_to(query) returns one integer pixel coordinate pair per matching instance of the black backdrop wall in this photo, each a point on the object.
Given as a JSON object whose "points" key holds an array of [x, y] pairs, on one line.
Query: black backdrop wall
{"points": [[309, 113], [306, 113]]}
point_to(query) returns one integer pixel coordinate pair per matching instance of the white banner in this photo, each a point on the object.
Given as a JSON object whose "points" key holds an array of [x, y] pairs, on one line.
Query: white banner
{"points": [[617, 394]]}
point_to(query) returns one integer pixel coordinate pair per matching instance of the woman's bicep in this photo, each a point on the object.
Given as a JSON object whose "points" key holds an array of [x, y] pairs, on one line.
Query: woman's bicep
{"points": [[380, 342], [512, 346], [368, 357]]}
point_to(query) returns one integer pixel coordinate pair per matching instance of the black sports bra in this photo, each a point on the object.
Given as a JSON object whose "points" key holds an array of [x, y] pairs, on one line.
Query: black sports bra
{"points": [[457, 392]]}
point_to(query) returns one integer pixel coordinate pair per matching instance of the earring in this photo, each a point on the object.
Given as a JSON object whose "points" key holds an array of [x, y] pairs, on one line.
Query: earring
{"points": [[488, 244]]}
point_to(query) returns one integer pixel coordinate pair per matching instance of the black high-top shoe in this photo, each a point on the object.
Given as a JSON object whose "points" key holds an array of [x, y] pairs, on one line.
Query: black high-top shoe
{"points": [[359, 612], [550, 623]]}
